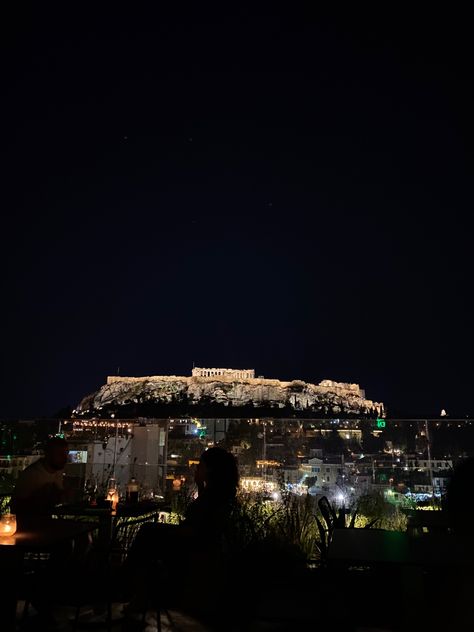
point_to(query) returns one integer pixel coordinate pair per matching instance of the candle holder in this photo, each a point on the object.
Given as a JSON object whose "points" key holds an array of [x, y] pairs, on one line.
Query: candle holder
{"points": [[7, 525], [113, 496], [112, 493]]}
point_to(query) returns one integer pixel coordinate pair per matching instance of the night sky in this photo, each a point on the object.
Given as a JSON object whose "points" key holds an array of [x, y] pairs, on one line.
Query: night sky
{"points": [[290, 193]]}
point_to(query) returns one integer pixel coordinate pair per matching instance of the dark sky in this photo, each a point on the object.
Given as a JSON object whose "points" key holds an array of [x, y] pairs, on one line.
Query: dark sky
{"points": [[289, 193]]}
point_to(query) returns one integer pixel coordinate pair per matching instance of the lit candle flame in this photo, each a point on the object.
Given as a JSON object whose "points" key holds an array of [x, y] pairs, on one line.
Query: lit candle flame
{"points": [[7, 525]]}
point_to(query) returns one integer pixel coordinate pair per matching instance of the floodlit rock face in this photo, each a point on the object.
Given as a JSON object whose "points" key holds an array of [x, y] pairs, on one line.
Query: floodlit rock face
{"points": [[182, 394]]}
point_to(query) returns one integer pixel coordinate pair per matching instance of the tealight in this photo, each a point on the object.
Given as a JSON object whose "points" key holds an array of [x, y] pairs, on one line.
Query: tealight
{"points": [[7, 525]]}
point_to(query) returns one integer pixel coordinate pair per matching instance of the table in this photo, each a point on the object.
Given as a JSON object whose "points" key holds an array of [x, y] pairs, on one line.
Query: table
{"points": [[407, 566], [108, 520], [45, 537], [377, 547], [369, 546], [123, 509], [420, 522]]}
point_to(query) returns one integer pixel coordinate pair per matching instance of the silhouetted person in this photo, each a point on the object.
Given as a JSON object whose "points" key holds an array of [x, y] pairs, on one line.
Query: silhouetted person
{"points": [[38, 489], [217, 479], [41, 485], [459, 498], [197, 540], [455, 582]]}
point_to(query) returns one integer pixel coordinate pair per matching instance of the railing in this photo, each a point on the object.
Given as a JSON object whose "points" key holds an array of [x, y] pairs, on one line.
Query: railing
{"points": [[117, 524]]}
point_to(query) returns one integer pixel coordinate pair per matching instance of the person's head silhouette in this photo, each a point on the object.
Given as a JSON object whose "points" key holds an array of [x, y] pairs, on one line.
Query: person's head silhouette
{"points": [[217, 473], [55, 453]]}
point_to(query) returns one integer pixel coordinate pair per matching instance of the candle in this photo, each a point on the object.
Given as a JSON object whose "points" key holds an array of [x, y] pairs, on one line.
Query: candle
{"points": [[7, 525], [113, 496], [115, 500]]}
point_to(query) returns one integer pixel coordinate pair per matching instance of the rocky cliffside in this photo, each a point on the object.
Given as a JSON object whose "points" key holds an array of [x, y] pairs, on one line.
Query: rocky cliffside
{"points": [[175, 395]]}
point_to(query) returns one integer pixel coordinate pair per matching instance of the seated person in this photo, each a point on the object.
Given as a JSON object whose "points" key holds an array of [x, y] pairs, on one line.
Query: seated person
{"points": [[454, 611], [41, 485], [217, 479], [458, 503], [197, 541], [38, 489]]}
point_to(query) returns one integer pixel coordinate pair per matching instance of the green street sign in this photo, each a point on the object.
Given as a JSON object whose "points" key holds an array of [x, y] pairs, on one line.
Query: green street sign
{"points": [[381, 423]]}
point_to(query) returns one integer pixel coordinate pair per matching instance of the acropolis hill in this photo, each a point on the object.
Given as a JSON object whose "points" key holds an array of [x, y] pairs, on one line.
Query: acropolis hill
{"points": [[227, 392]]}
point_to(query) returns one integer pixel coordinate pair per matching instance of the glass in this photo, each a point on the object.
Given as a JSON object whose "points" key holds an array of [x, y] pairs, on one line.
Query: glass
{"points": [[7, 525], [112, 493], [132, 491]]}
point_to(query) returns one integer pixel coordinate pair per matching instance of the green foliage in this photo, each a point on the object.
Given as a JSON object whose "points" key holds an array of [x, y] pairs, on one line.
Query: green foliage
{"points": [[375, 507], [290, 533], [249, 521], [7, 483], [276, 536], [294, 523], [300, 528], [4, 504], [180, 502], [333, 443]]}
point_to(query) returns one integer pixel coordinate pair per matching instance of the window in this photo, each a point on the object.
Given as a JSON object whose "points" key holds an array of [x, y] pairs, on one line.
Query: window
{"points": [[328, 469]]}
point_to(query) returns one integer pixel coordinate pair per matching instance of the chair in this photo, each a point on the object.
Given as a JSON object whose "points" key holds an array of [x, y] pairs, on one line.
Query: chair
{"points": [[158, 607], [96, 577], [210, 572], [420, 522], [34, 565], [124, 537], [107, 565]]}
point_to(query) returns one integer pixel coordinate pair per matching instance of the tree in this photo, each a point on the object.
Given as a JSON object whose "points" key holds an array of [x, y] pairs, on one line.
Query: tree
{"points": [[333, 443], [310, 481]]}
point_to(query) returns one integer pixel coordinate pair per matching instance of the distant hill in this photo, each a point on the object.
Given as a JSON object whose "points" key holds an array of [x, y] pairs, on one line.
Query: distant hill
{"points": [[165, 396]]}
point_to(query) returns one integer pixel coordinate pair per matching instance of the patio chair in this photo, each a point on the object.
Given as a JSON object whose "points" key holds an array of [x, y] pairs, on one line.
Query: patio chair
{"points": [[94, 581], [108, 580]]}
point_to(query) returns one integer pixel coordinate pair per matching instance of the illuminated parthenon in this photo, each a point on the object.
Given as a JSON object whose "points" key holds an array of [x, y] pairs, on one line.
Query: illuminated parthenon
{"points": [[244, 374]]}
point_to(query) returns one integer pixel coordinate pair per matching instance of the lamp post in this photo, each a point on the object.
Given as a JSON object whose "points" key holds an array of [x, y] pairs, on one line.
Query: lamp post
{"points": [[112, 416], [430, 464], [112, 493], [265, 451]]}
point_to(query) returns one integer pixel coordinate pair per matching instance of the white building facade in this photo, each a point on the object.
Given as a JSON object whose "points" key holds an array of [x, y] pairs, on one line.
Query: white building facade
{"points": [[240, 374]]}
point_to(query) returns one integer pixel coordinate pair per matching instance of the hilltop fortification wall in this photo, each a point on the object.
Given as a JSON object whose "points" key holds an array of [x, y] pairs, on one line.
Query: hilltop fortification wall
{"points": [[227, 388], [325, 386]]}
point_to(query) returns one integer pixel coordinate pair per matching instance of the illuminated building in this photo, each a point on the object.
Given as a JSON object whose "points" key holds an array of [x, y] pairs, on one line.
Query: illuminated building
{"points": [[245, 374], [101, 448]]}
